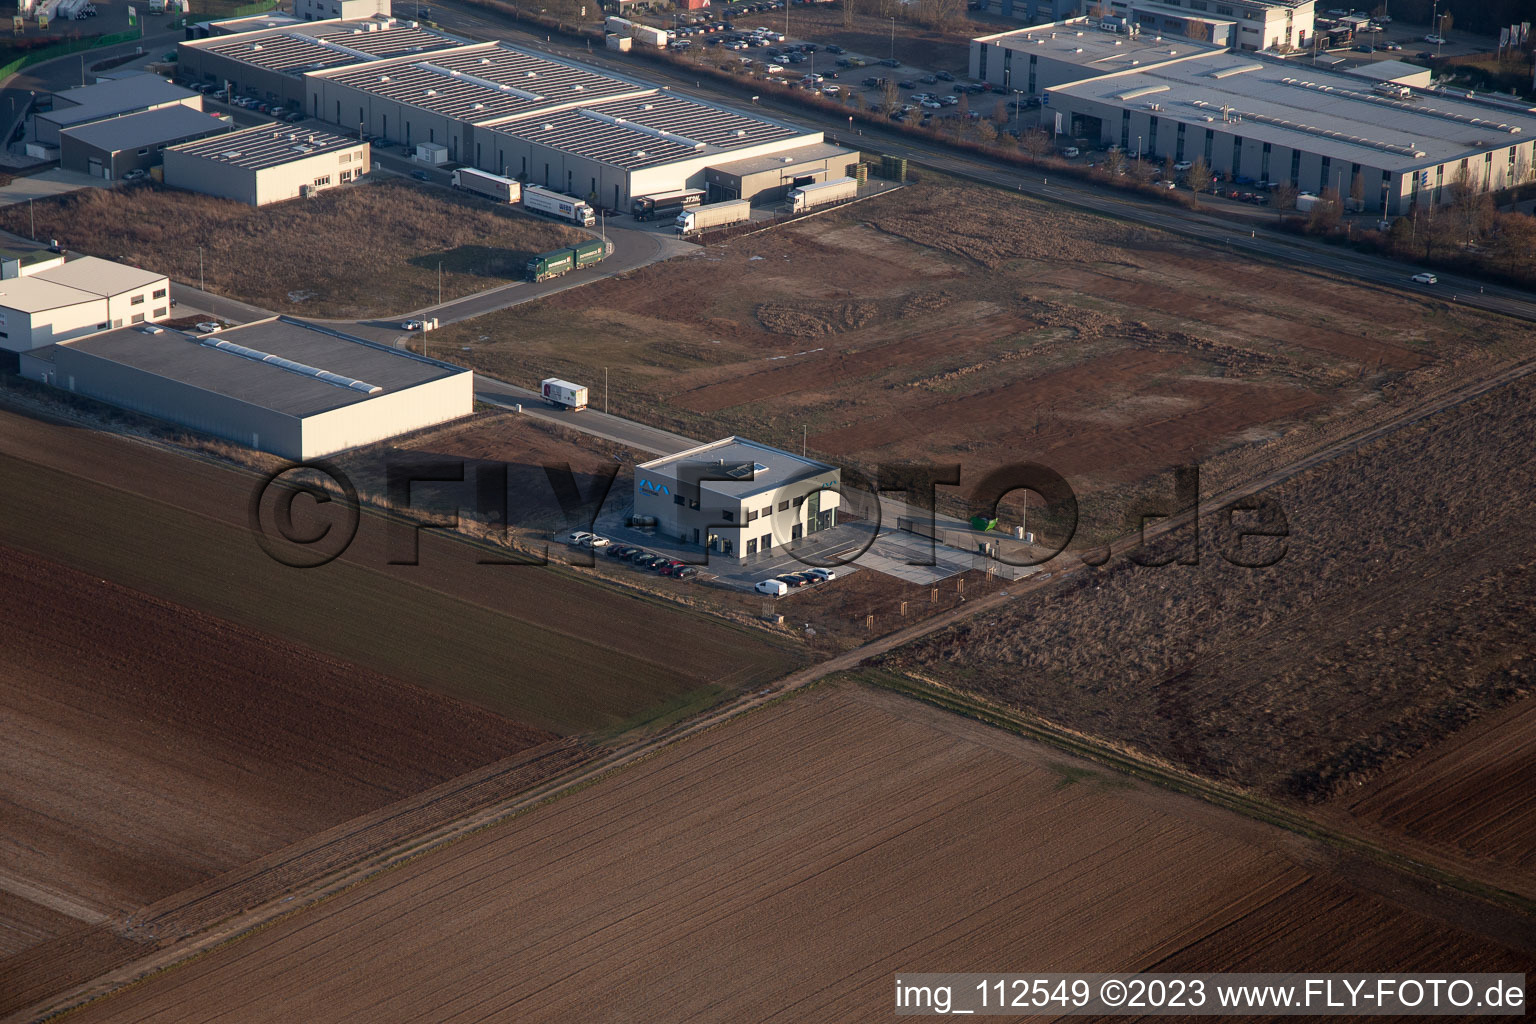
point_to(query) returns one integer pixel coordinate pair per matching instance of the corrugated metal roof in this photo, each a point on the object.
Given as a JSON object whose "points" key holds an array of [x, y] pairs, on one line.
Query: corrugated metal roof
{"points": [[183, 358], [149, 128]]}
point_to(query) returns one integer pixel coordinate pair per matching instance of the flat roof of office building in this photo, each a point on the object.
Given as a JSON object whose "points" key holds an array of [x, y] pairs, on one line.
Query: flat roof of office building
{"points": [[1293, 104], [292, 388], [263, 146], [147, 128], [34, 294], [771, 467]]}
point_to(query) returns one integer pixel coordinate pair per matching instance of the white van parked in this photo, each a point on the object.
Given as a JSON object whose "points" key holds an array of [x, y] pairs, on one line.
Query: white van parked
{"points": [[776, 588]]}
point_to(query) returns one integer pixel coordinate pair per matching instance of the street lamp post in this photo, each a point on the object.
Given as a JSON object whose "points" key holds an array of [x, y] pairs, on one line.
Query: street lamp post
{"points": [[893, 39], [1018, 109]]}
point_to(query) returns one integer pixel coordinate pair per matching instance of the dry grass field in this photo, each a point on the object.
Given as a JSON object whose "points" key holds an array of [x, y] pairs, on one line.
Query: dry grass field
{"points": [[962, 324], [784, 867], [380, 243], [1398, 615]]}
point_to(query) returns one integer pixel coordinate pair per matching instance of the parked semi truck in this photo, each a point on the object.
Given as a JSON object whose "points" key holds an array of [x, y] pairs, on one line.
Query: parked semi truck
{"points": [[562, 261], [808, 197], [715, 215], [493, 186], [647, 36], [554, 204], [665, 204], [562, 394]]}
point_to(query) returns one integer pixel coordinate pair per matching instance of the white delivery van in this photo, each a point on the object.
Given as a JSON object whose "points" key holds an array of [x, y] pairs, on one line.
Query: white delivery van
{"points": [[776, 588]]}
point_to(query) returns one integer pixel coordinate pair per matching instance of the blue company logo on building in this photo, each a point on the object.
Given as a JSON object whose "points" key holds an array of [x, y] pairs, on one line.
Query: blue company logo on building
{"points": [[647, 487]]}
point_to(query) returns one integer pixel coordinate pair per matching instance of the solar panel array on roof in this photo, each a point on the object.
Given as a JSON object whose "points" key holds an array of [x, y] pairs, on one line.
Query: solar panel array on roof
{"points": [[486, 84], [266, 146], [604, 139], [295, 51], [713, 126]]}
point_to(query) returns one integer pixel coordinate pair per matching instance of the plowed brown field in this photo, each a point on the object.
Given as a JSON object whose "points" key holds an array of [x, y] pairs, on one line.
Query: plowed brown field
{"points": [[783, 868], [151, 746]]}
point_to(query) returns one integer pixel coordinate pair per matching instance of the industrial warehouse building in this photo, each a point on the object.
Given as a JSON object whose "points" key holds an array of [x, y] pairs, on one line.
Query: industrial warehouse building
{"points": [[1032, 60], [131, 93], [48, 302], [738, 498], [1240, 24], [278, 385], [1263, 117], [544, 120], [328, 10], [267, 164], [135, 142], [1273, 120]]}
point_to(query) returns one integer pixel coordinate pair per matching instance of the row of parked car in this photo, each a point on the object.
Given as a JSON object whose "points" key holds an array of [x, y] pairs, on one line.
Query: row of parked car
{"points": [[661, 564], [785, 582]]}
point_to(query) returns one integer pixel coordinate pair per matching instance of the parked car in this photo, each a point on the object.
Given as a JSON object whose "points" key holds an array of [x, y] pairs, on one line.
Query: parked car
{"points": [[891, 62], [575, 539], [1425, 279], [209, 327], [823, 574], [596, 542], [792, 579], [1363, 48], [1436, 40], [421, 175], [135, 174], [1391, 46], [774, 588], [686, 572], [621, 550], [944, 76], [1183, 165], [929, 79], [415, 325], [667, 565], [834, 48]]}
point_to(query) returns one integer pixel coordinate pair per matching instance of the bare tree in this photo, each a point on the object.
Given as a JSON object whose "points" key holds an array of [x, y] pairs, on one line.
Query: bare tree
{"points": [[1000, 113], [1198, 176], [890, 98], [1357, 191], [1521, 172], [1283, 196], [1514, 242], [1325, 213], [1114, 163], [1036, 143], [963, 110], [985, 132], [1168, 172], [1471, 207], [848, 13]]}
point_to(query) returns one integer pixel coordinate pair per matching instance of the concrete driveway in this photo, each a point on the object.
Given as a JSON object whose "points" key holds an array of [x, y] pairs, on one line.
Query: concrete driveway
{"points": [[47, 184]]}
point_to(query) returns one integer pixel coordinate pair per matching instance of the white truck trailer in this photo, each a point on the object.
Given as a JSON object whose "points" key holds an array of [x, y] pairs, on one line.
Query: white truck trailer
{"points": [[715, 215], [808, 197], [492, 186], [555, 204], [647, 36], [619, 26], [562, 394]]}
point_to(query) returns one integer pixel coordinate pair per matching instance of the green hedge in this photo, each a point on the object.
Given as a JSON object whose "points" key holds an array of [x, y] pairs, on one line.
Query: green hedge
{"points": [[65, 49]]}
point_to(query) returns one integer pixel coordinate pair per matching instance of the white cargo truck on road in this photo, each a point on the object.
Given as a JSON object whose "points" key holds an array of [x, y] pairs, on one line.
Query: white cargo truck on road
{"points": [[563, 394], [492, 186], [554, 204], [808, 197], [715, 215]]}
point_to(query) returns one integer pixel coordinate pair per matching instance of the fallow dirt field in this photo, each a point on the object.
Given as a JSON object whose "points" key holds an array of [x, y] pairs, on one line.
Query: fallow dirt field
{"points": [[784, 867], [1397, 614], [151, 746], [955, 323], [379, 242]]}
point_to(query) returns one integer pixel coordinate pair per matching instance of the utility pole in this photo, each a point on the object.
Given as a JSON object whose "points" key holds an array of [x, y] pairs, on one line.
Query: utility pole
{"points": [[803, 431], [200, 269], [439, 282], [893, 33], [605, 391]]}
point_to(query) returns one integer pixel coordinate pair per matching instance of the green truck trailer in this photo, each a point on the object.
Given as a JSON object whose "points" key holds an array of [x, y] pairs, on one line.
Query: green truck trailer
{"points": [[563, 261], [589, 252]]}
